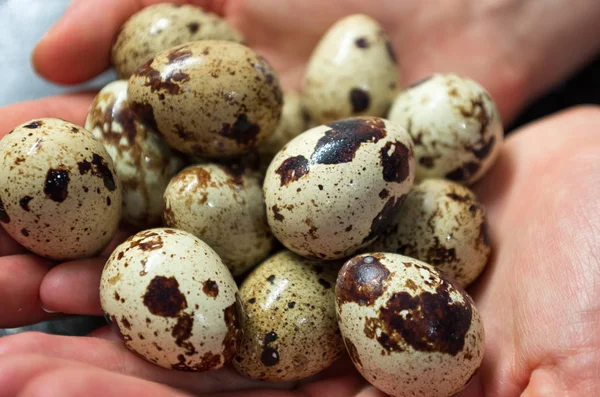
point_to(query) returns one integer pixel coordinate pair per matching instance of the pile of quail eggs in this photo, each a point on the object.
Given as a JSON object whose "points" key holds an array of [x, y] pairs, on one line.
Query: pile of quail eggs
{"points": [[198, 147]]}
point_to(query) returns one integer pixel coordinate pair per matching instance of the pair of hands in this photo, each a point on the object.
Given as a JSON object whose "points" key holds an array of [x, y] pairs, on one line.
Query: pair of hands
{"points": [[539, 297]]}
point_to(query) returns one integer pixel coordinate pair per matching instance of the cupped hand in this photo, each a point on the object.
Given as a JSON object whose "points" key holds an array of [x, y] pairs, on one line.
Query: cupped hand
{"points": [[538, 298]]}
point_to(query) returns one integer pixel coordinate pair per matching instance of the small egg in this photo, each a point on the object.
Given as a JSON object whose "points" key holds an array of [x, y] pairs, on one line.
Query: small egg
{"points": [[290, 329], [409, 330], [294, 121], [144, 163], [223, 206], [351, 72], [455, 126], [174, 301], [443, 224], [208, 98], [163, 26], [59, 196], [335, 188]]}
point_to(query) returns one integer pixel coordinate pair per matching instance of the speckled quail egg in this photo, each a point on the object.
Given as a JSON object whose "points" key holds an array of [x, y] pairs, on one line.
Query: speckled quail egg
{"points": [[290, 330], [163, 26], [409, 330], [351, 72], [443, 224], [223, 206], [174, 301], [455, 126], [59, 194], [336, 187], [144, 163], [208, 98], [294, 120]]}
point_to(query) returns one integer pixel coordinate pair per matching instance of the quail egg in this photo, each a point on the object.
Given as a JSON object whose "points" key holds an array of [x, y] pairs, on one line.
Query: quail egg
{"points": [[294, 120], [144, 163], [173, 300], [352, 72], [163, 26], [223, 206], [443, 224], [290, 329], [208, 98], [336, 187], [409, 330], [455, 126], [59, 195]]}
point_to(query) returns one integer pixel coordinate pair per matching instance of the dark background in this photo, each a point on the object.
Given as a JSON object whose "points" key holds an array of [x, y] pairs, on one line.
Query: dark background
{"points": [[23, 22]]}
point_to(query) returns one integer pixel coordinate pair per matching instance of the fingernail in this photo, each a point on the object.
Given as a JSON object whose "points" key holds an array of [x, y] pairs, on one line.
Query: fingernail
{"points": [[48, 310]]}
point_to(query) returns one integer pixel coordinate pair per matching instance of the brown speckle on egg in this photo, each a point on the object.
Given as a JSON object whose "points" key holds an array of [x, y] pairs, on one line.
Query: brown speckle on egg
{"points": [[363, 280], [56, 186], [163, 298], [292, 169], [340, 143], [210, 288]]}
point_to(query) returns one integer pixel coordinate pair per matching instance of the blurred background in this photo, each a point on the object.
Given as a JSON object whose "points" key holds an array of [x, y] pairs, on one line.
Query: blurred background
{"points": [[23, 23]]}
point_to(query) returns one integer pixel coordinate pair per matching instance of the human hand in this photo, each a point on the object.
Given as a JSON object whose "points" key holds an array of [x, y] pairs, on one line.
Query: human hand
{"points": [[545, 336]]}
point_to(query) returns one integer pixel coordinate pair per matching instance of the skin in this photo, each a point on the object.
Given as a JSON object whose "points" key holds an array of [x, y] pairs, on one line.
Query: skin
{"points": [[539, 297]]}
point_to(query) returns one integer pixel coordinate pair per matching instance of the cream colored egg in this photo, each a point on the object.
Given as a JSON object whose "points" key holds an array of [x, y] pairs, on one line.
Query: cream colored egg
{"points": [[455, 126], [144, 163], [163, 26], [59, 194], [335, 188], [173, 300], [408, 329], [289, 326], [223, 206], [294, 120], [208, 98], [351, 72], [441, 223]]}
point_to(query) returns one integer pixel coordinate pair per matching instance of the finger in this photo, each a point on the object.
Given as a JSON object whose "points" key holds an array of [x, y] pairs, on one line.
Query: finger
{"points": [[8, 246], [73, 287], [93, 383], [114, 356], [20, 279], [89, 27], [71, 107], [26, 374], [18, 369]]}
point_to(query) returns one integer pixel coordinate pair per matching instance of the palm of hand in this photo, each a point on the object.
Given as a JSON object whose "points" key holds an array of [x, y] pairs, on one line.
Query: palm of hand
{"points": [[536, 298]]}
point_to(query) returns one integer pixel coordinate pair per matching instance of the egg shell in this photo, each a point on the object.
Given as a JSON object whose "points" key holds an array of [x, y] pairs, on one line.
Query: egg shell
{"points": [[173, 300], [409, 329], [335, 188], [59, 194], [351, 72], [294, 121], [290, 328], [455, 125], [208, 98], [223, 206], [443, 224], [163, 26], [144, 162]]}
